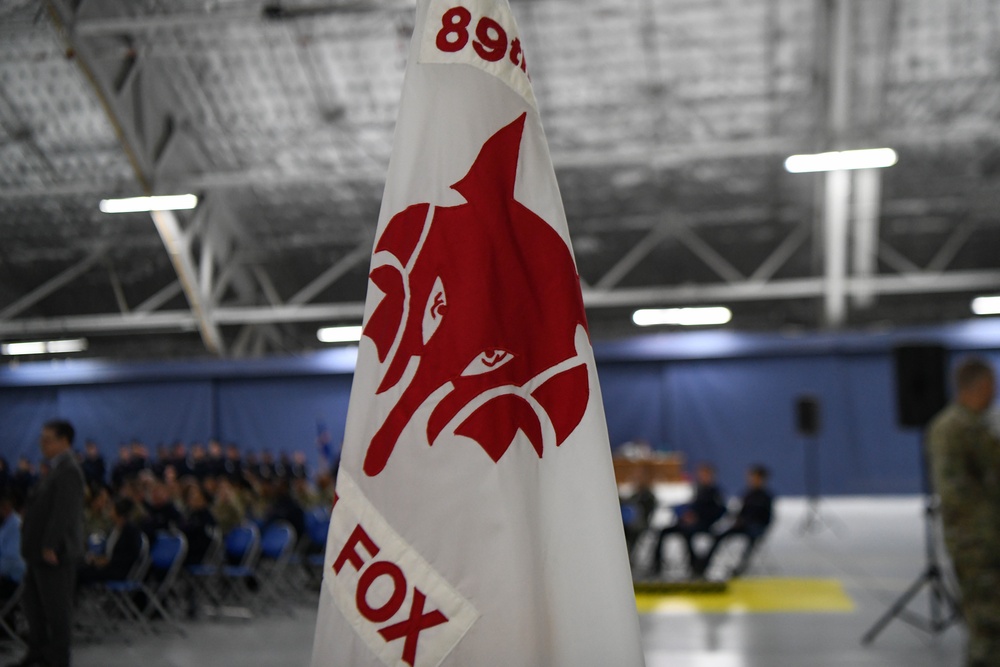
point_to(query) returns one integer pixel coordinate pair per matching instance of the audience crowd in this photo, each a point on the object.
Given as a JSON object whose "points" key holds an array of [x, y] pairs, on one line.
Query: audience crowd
{"points": [[187, 489]]}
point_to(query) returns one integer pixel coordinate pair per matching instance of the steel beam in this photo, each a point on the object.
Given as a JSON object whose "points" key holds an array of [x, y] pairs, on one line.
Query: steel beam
{"points": [[172, 321], [118, 26], [896, 259], [116, 287], [794, 288], [659, 157], [837, 196], [173, 239], [53, 284], [161, 297], [633, 257], [776, 290], [290, 313], [867, 196], [780, 255], [707, 254], [952, 245], [362, 252]]}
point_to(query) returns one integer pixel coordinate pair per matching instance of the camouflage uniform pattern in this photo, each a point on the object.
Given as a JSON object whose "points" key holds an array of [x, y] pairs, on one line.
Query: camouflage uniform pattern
{"points": [[965, 464]]}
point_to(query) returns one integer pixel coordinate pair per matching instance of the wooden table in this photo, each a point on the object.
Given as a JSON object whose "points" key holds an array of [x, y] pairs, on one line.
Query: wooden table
{"points": [[661, 468]]}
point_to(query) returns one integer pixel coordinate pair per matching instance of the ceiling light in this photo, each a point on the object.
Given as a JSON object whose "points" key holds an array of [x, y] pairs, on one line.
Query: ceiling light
{"points": [[868, 158], [682, 316], [350, 334], [986, 305], [159, 203], [44, 347]]}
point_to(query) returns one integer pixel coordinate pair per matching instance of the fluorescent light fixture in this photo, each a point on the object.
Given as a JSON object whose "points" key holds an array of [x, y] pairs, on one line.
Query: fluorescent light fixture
{"points": [[339, 334], [159, 203], [64, 346], [15, 349], [687, 317], [44, 347], [868, 158], [986, 305]]}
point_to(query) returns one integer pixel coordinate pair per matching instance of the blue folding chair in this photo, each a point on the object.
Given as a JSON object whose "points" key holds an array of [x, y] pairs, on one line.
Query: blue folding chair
{"points": [[166, 560], [276, 547], [317, 529], [202, 578], [242, 550], [122, 596]]}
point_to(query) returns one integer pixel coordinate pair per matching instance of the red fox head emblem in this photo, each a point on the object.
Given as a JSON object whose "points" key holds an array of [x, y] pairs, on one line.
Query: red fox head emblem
{"points": [[480, 309]]}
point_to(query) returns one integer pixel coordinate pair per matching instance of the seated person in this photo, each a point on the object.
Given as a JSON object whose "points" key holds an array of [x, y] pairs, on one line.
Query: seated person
{"points": [[11, 563], [756, 511], [227, 507], [125, 544], [699, 516], [285, 508], [161, 512], [638, 508], [97, 524], [197, 525]]}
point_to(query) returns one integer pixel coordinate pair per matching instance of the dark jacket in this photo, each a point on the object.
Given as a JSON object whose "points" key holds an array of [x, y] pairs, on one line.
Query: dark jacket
{"points": [[197, 528], [708, 505], [53, 514], [125, 554], [756, 509], [164, 517]]}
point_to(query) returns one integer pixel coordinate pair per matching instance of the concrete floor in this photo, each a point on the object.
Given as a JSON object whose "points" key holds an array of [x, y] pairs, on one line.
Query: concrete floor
{"points": [[873, 547]]}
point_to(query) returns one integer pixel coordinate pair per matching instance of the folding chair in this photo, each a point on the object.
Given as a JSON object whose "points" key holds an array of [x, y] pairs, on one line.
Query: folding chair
{"points": [[166, 559], [122, 593], [317, 529], [277, 545], [242, 549], [734, 556], [202, 575], [310, 551], [674, 562], [11, 604]]}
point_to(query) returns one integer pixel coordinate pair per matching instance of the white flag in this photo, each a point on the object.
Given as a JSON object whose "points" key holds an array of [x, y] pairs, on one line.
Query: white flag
{"points": [[477, 520]]}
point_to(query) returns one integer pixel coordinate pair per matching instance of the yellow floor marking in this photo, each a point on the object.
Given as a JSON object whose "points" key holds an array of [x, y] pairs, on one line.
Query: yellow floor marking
{"points": [[764, 595]]}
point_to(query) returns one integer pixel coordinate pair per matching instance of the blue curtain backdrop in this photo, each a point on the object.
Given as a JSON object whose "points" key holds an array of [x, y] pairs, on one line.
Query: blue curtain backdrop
{"points": [[22, 413], [153, 412], [281, 414], [633, 401], [738, 412]]}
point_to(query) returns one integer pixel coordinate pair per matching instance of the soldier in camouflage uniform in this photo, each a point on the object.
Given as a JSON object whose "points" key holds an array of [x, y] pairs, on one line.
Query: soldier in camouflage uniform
{"points": [[965, 463]]}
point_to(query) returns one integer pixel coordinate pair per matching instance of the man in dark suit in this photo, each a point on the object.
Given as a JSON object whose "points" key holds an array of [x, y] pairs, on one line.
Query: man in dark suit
{"points": [[52, 545]]}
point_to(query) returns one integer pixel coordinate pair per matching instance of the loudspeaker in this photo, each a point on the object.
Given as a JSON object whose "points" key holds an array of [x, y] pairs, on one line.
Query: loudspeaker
{"points": [[921, 383], [807, 415]]}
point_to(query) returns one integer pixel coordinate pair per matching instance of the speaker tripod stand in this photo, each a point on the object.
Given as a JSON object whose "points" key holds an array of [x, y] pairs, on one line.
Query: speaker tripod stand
{"points": [[813, 522], [944, 608]]}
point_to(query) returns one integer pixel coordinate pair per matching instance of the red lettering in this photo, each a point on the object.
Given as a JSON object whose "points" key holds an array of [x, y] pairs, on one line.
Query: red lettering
{"points": [[411, 627], [515, 51], [395, 601], [349, 553], [454, 22], [491, 40]]}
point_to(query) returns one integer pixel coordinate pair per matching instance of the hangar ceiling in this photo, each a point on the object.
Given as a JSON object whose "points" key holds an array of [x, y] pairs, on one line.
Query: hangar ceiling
{"points": [[668, 122]]}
